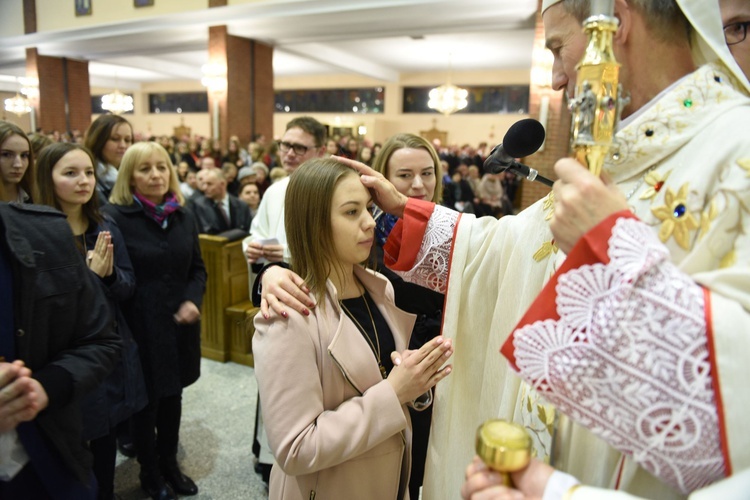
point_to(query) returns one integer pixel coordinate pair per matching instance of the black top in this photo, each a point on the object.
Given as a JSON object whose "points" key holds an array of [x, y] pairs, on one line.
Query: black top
{"points": [[356, 307], [425, 303]]}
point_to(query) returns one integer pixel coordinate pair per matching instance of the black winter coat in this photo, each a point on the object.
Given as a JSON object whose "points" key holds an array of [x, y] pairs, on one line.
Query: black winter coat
{"points": [[168, 271], [123, 392], [62, 323], [425, 303]]}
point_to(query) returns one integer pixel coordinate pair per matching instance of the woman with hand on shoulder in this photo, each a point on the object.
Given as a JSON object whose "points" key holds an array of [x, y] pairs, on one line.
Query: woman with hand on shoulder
{"points": [[16, 164], [334, 391], [164, 312], [65, 180], [108, 137], [413, 167]]}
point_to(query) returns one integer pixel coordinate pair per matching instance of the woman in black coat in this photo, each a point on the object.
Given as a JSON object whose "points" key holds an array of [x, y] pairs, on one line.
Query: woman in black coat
{"points": [[65, 180], [164, 312], [413, 166]]}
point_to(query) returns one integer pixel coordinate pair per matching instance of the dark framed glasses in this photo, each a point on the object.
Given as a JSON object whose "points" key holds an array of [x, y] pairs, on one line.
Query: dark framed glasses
{"points": [[299, 149], [736, 32]]}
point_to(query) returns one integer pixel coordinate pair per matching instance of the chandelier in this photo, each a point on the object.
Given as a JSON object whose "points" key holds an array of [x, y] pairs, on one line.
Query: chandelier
{"points": [[117, 102], [448, 98], [214, 77], [18, 105], [21, 104]]}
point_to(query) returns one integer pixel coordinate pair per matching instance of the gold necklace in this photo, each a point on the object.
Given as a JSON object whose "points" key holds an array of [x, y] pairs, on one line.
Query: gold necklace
{"points": [[375, 350]]}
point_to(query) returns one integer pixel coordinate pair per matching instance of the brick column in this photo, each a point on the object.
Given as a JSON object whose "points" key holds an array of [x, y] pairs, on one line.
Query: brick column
{"points": [[64, 101], [246, 107], [64, 91], [557, 143]]}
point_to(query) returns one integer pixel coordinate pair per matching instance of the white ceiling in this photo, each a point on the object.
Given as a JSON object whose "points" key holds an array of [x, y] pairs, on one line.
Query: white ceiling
{"points": [[377, 38]]}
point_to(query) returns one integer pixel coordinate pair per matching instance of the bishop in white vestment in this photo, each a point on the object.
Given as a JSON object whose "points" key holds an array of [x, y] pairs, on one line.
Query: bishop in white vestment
{"points": [[634, 358]]}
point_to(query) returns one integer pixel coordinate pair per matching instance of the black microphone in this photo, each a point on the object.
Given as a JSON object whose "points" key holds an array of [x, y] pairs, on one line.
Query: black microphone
{"points": [[523, 138]]}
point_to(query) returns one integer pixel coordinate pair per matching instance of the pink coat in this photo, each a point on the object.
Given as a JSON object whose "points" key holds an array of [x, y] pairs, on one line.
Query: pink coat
{"points": [[336, 428]]}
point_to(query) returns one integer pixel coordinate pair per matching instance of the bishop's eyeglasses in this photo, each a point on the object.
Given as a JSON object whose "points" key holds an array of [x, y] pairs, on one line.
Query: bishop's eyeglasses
{"points": [[736, 32]]}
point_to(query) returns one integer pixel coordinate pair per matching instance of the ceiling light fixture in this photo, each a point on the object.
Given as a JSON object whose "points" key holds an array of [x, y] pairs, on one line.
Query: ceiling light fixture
{"points": [[116, 102], [18, 105], [215, 81], [214, 77], [30, 87], [447, 98]]}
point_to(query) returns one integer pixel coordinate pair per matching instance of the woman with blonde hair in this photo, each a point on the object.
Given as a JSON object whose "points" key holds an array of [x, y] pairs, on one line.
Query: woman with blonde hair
{"points": [[164, 312], [335, 383]]}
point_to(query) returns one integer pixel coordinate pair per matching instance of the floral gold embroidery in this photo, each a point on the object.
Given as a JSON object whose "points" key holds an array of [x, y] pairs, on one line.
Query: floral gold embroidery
{"points": [[549, 206], [707, 217], [728, 260], [539, 419], [655, 181], [676, 220], [744, 163], [547, 249]]}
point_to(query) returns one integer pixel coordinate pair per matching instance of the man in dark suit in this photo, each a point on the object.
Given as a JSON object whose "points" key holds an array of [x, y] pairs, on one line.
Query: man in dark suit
{"points": [[56, 344], [218, 211]]}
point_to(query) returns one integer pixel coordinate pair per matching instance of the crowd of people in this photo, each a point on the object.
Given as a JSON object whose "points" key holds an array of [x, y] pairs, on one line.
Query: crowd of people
{"points": [[135, 207], [126, 224], [620, 303]]}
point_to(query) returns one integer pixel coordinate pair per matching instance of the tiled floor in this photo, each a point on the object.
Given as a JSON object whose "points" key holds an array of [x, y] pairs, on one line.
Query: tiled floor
{"points": [[218, 416]]}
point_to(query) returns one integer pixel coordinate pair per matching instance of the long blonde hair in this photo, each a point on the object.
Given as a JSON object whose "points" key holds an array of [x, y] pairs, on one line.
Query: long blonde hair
{"points": [[410, 141], [122, 191], [307, 220]]}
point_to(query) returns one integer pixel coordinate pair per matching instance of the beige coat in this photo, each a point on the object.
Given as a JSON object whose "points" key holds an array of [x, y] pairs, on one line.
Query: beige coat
{"points": [[335, 426]]}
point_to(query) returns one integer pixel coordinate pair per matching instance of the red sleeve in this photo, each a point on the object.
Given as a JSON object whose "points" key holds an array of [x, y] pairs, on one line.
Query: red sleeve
{"points": [[405, 240], [716, 384]]}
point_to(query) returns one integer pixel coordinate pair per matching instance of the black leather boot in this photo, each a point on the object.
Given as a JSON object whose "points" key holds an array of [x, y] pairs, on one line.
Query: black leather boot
{"points": [[155, 486], [126, 448], [180, 483]]}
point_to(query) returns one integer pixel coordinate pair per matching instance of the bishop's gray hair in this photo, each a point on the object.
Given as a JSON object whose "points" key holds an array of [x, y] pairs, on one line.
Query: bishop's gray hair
{"points": [[663, 17]]}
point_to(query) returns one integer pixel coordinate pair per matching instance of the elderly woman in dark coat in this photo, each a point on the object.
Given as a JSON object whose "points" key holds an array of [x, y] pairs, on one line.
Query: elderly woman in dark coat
{"points": [[164, 312]]}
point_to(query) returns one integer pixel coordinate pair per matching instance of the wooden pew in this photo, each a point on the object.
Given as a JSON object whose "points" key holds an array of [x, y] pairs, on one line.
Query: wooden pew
{"points": [[226, 317]]}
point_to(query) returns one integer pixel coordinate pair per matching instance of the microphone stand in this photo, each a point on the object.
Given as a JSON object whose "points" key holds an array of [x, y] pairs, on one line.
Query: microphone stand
{"points": [[529, 173]]}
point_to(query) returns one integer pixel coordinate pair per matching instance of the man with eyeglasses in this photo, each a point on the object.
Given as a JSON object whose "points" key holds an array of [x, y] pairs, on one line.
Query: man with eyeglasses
{"points": [[304, 139], [735, 17]]}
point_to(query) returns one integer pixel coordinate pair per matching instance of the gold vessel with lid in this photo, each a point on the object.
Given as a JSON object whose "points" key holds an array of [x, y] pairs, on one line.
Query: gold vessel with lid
{"points": [[503, 446]]}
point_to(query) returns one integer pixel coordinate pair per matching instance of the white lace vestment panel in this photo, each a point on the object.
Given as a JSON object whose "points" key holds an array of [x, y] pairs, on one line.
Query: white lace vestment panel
{"points": [[629, 359], [432, 263]]}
